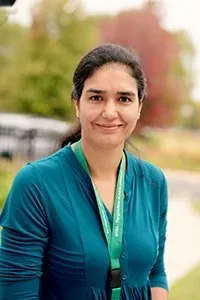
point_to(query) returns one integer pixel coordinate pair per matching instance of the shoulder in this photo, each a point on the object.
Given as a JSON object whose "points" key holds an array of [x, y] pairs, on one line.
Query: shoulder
{"points": [[146, 170], [33, 173], [23, 197], [48, 167], [49, 163], [24, 178], [150, 182]]}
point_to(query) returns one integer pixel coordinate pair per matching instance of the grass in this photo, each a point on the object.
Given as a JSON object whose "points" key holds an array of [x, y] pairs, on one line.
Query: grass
{"points": [[7, 172], [196, 206], [5, 182], [187, 288]]}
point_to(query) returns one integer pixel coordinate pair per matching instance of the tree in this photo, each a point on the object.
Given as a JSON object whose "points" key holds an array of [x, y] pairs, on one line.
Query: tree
{"points": [[160, 52], [10, 35], [189, 115], [58, 36]]}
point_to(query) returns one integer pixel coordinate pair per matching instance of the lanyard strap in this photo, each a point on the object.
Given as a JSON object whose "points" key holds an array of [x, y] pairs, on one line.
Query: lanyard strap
{"points": [[114, 236]]}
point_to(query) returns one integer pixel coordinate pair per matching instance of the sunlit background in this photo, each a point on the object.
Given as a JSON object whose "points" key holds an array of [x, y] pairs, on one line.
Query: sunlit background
{"points": [[40, 44]]}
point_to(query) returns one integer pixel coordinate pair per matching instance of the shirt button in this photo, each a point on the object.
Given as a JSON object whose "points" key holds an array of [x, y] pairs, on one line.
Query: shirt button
{"points": [[124, 277], [123, 256]]}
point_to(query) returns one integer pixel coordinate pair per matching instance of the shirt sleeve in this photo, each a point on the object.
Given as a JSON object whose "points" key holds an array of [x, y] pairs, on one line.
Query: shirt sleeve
{"points": [[157, 275], [23, 238]]}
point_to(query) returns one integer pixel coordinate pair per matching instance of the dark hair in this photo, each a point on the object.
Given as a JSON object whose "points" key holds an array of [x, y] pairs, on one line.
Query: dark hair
{"points": [[93, 60]]}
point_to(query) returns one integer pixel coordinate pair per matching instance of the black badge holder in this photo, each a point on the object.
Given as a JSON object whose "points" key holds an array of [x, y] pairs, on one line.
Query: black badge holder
{"points": [[115, 279]]}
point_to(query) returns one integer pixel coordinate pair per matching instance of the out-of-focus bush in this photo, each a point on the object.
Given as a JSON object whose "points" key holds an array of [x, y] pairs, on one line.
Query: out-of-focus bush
{"points": [[8, 170], [169, 149]]}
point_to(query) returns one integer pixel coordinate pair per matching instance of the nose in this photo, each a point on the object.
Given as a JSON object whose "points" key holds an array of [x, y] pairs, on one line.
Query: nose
{"points": [[110, 110]]}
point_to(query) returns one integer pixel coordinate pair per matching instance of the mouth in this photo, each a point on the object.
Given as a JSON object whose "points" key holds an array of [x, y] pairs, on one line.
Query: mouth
{"points": [[109, 127]]}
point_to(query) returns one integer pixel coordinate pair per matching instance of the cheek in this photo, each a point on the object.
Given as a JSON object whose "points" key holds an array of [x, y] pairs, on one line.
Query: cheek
{"points": [[89, 113], [131, 117], [87, 116]]}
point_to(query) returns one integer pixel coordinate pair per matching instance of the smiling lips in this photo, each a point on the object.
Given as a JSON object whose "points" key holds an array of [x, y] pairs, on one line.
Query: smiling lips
{"points": [[109, 127]]}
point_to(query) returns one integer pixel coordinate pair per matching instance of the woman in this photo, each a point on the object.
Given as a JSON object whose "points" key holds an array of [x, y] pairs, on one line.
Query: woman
{"points": [[89, 221]]}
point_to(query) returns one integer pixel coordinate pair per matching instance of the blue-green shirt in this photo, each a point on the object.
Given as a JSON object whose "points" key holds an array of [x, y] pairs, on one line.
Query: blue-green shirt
{"points": [[53, 245]]}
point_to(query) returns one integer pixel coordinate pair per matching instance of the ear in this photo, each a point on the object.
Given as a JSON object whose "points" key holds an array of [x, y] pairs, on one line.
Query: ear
{"points": [[139, 110], [76, 105], [140, 107]]}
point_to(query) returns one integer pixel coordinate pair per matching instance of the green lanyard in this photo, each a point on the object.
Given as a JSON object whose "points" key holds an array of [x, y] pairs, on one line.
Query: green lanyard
{"points": [[114, 236]]}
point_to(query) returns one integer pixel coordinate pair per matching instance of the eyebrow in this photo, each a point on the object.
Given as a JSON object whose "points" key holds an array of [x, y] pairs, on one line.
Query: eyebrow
{"points": [[122, 93], [96, 91], [126, 93]]}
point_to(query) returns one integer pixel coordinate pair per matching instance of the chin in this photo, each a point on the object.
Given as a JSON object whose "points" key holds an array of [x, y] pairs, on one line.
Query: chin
{"points": [[107, 142]]}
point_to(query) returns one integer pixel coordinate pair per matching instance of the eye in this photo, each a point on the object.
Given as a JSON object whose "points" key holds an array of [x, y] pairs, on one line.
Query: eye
{"points": [[96, 98], [125, 100]]}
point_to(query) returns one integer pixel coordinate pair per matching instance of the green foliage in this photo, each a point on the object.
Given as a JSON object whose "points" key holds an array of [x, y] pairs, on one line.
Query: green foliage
{"points": [[183, 68], [12, 37], [196, 205], [183, 65], [191, 119], [38, 77], [188, 287]]}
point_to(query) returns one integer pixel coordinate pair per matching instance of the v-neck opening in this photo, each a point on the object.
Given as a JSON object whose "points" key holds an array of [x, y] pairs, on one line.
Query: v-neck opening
{"points": [[110, 216], [83, 176]]}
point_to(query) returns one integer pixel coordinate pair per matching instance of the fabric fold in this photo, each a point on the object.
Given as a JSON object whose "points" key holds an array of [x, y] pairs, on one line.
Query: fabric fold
{"points": [[127, 293]]}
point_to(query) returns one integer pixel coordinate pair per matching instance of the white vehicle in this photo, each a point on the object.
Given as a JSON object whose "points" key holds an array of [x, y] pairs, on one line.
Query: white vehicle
{"points": [[28, 136]]}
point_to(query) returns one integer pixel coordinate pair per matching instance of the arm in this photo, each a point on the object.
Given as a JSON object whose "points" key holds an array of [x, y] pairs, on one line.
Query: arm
{"points": [[158, 281], [159, 294], [24, 237]]}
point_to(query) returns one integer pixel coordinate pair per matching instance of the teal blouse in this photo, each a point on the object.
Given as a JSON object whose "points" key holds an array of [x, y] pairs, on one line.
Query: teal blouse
{"points": [[53, 246]]}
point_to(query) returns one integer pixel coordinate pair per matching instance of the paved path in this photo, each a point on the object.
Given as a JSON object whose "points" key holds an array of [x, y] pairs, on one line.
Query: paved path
{"points": [[183, 239], [183, 184]]}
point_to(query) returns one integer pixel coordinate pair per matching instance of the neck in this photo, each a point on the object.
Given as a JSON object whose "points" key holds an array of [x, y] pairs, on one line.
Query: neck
{"points": [[103, 162]]}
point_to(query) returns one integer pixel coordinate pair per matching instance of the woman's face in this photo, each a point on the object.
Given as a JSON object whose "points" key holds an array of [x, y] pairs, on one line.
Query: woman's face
{"points": [[108, 108]]}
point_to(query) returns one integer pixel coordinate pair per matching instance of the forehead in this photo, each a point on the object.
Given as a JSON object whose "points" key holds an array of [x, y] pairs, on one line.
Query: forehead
{"points": [[111, 76]]}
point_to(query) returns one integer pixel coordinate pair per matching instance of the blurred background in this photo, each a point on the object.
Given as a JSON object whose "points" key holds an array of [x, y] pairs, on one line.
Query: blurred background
{"points": [[41, 41]]}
